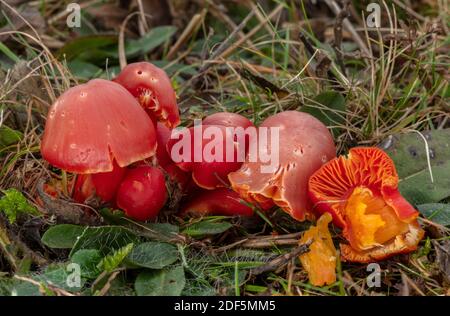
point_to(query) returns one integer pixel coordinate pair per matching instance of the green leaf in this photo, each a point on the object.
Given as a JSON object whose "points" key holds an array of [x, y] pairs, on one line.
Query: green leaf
{"points": [[195, 288], [14, 203], [409, 155], [166, 282], [112, 261], [83, 69], [104, 239], [436, 212], [14, 287], [328, 107], [158, 231], [8, 136], [149, 41], [62, 236], [59, 275], [88, 259], [164, 231], [153, 255], [9, 53], [206, 228], [85, 43], [163, 228]]}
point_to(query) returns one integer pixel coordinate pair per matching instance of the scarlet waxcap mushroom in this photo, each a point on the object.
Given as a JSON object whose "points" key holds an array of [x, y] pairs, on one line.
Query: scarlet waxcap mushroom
{"points": [[227, 119], [208, 172], [361, 192], [164, 161], [83, 188], [162, 137], [142, 193], [103, 184], [304, 145], [107, 183], [222, 201], [152, 87], [213, 174], [91, 125], [320, 261]]}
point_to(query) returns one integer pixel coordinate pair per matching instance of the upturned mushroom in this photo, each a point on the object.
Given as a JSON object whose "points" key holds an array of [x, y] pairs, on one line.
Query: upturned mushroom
{"points": [[361, 192], [303, 146]]}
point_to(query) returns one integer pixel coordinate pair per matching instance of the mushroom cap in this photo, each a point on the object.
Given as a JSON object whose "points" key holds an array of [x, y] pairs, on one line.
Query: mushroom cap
{"points": [[142, 193], [164, 161], [107, 183], [162, 137], [208, 174], [91, 125], [152, 87], [305, 144], [228, 119], [222, 201], [102, 184], [213, 174], [370, 167], [404, 243], [361, 192]]}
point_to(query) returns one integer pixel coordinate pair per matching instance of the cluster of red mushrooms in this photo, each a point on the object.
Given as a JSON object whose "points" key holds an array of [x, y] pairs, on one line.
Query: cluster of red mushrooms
{"points": [[115, 136]]}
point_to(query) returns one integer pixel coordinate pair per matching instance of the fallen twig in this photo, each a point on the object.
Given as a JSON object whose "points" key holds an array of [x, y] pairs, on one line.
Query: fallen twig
{"points": [[281, 260]]}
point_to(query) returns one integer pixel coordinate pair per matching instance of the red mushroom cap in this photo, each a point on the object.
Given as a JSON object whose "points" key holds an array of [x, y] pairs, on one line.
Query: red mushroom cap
{"points": [[305, 144], [152, 87], [228, 119], [107, 183], [164, 161], [208, 174], [91, 125], [213, 174], [162, 137], [102, 184], [221, 201], [361, 192], [142, 193]]}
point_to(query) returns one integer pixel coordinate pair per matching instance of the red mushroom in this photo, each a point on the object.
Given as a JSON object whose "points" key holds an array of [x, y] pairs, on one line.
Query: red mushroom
{"points": [[164, 161], [229, 119], [142, 193], [162, 137], [361, 192], [221, 201], [304, 145], [103, 184], [212, 173], [207, 172], [152, 87], [97, 128]]}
